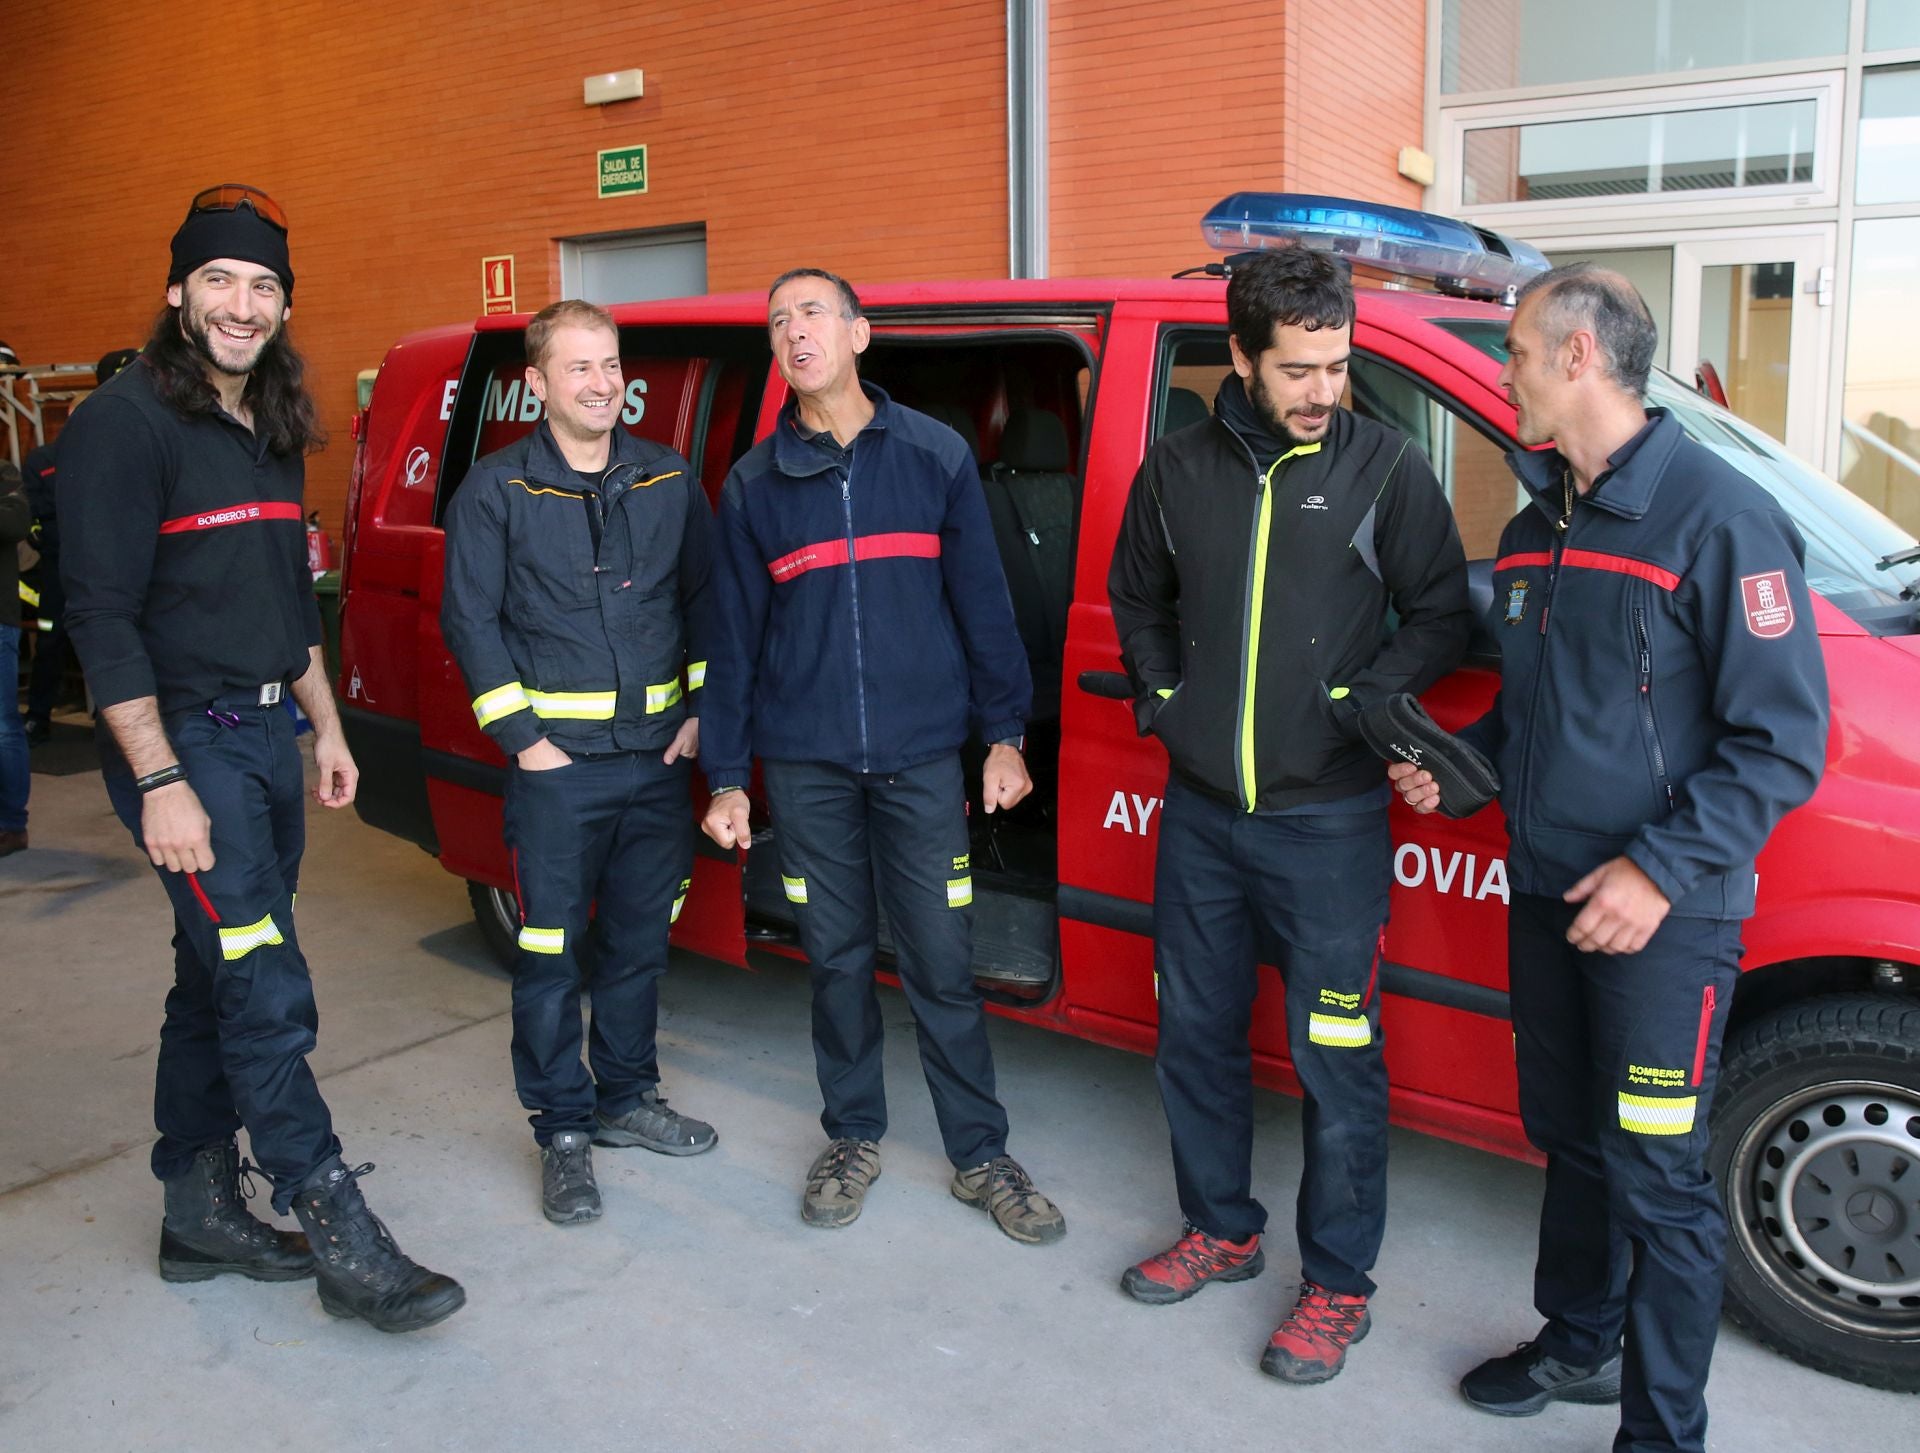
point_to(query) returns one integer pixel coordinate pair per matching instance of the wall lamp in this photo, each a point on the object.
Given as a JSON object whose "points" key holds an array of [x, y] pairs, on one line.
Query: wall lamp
{"points": [[614, 86]]}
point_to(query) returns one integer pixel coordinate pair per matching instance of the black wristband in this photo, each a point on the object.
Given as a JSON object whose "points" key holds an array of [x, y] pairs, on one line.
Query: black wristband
{"points": [[164, 777]]}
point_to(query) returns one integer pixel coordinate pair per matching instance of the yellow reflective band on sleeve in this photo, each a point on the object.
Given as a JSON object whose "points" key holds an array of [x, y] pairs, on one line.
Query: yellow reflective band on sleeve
{"points": [[696, 675], [573, 705], [29, 594], [490, 706], [44, 623], [543, 940], [237, 943], [680, 900], [1340, 1031], [1339, 693], [960, 891], [1164, 692], [660, 697], [1646, 1115], [796, 888]]}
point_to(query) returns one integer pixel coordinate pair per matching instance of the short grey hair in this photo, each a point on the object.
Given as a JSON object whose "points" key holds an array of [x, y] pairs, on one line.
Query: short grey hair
{"points": [[1586, 295]]}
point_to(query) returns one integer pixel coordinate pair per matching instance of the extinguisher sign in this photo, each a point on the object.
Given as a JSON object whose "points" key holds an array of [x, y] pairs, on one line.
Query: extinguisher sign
{"points": [[496, 285]]}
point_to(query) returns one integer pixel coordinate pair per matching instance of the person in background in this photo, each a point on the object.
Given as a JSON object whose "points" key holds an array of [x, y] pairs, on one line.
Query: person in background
{"points": [[15, 773]]}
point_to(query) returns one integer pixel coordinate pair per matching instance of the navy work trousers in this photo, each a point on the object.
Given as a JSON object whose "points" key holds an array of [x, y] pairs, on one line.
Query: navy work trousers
{"points": [[1313, 888], [1618, 1055], [240, 1018], [841, 836], [617, 828]]}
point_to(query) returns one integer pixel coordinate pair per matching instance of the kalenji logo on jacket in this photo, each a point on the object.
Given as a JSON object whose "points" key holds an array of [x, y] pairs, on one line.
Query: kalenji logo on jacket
{"points": [[1769, 607]]}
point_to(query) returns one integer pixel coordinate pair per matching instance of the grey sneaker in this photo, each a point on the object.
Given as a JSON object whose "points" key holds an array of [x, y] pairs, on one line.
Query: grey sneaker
{"points": [[568, 1192], [1005, 1192], [652, 1124], [837, 1182]]}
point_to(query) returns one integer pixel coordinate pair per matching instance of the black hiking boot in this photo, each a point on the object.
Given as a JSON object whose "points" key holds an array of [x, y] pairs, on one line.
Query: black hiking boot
{"points": [[361, 1272], [207, 1228]]}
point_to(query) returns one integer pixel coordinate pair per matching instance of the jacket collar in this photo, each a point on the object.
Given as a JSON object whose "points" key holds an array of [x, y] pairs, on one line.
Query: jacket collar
{"points": [[1634, 471], [796, 457], [548, 465]]}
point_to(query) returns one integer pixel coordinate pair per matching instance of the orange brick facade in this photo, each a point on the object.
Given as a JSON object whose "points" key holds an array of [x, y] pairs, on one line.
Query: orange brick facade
{"points": [[408, 142]]}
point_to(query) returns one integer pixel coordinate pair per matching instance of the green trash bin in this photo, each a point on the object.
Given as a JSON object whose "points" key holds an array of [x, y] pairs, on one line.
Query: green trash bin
{"points": [[326, 590]]}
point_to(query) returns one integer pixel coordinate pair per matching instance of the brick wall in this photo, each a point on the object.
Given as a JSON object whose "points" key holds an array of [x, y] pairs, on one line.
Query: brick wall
{"points": [[408, 142], [1159, 111], [870, 137]]}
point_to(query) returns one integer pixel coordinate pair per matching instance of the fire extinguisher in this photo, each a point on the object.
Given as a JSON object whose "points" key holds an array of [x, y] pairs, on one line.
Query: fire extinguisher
{"points": [[319, 547]]}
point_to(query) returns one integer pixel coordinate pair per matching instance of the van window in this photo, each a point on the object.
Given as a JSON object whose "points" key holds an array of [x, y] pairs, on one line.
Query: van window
{"points": [[1847, 538], [1470, 465], [695, 390]]}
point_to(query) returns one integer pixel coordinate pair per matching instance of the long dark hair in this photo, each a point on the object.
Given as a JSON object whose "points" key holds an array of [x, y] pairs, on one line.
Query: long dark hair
{"points": [[283, 411]]}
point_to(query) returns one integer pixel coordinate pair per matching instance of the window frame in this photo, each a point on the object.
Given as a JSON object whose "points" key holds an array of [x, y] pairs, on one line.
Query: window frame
{"points": [[1824, 88]]}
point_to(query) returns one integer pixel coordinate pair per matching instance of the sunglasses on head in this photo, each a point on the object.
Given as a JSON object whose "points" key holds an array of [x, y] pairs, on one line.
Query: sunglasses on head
{"points": [[231, 196]]}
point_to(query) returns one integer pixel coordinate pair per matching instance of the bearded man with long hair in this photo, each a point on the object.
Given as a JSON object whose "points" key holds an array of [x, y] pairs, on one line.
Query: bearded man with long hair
{"points": [[184, 556]]}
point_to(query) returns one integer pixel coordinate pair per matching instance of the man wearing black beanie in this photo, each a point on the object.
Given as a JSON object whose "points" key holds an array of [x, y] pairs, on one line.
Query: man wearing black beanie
{"points": [[189, 602]]}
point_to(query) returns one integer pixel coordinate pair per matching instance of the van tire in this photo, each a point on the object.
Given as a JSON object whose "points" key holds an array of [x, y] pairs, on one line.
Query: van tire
{"points": [[1818, 1108], [497, 912]]}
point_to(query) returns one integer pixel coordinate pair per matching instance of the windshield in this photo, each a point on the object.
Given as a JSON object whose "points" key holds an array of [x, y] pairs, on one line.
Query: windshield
{"points": [[1846, 537]]}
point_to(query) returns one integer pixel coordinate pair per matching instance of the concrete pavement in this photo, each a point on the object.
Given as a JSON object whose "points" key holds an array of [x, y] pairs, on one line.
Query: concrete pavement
{"points": [[699, 1314]]}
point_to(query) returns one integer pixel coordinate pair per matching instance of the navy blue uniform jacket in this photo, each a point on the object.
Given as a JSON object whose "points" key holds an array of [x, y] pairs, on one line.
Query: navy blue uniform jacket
{"points": [[1662, 691], [863, 612], [575, 613]]}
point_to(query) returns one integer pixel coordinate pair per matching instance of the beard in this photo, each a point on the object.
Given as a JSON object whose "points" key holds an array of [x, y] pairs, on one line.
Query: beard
{"points": [[1276, 422], [196, 325]]}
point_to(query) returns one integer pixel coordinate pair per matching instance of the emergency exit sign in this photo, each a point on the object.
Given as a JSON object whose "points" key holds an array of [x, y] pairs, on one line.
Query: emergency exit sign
{"points": [[623, 171]]}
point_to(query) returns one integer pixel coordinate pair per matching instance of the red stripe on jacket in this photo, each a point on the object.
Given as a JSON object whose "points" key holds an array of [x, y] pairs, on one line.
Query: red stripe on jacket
{"points": [[240, 514], [865, 547], [1593, 560]]}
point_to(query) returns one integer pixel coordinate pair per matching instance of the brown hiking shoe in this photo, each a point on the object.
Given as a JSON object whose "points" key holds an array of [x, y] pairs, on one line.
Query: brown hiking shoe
{"points": [[838, 1180], [1005, 1192]]}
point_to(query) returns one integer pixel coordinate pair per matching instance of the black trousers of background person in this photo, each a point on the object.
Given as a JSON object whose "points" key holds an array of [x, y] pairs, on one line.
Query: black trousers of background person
{"points": [[1618, 1056], [617, 830], [1226, 883], [842, 837], [240, 1018]]}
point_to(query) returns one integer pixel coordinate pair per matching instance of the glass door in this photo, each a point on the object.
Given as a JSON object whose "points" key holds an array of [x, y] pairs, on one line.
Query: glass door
{"points": [[1749, 320]]}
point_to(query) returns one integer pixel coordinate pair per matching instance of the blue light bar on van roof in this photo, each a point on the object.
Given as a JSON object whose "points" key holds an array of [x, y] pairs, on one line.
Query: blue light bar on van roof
{"points": [[1391, 239]]}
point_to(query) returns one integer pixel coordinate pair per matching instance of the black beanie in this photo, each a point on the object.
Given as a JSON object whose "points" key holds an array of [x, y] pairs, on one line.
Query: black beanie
{"points": [[241, 234]]}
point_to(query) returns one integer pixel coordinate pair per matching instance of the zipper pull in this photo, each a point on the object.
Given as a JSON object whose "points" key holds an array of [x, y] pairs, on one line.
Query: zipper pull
{"points": [[1646, 663]]}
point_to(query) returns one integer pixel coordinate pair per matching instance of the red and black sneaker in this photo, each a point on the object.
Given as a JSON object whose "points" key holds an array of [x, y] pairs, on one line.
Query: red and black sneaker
{"points": [[1311, 1345], [1189, 1264]]}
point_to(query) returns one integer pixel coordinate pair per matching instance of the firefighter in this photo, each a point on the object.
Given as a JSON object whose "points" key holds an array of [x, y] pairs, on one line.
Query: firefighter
{"points": [[865, 626], [575, 604], [184, 558], [1256, 562], [1663, 703]]}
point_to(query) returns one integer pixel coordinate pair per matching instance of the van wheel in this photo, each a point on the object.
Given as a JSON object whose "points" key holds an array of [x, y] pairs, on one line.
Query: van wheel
{"points": [[497, 912], [1816, 1146]]}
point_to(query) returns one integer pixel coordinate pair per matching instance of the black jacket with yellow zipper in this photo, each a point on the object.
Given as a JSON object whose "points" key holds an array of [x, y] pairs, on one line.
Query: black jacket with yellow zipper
{"points": [[1251, 583], [579, 615]]}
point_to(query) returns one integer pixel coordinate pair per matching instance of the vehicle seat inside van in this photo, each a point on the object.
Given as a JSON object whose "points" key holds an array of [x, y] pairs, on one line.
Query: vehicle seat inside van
{"points": [[1030, 496]]}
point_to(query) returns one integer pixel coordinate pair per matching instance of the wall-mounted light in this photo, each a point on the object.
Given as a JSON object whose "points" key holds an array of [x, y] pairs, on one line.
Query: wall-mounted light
{"points": [[614, 86]]}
